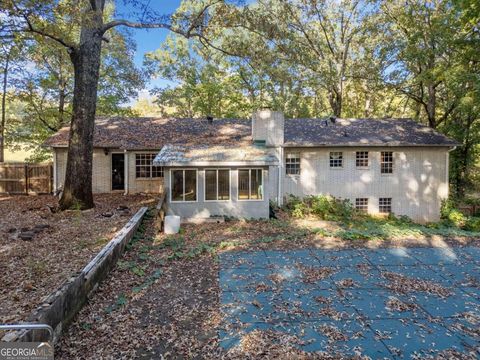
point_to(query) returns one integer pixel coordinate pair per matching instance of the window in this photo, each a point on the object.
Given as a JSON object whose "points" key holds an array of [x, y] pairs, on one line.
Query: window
{"points": [[361, 159], [144, 167], [250, 184], [336, 159], [385, 205], [292, 164], [217, 184], [386, 163], [184, 185], [361, 204]]}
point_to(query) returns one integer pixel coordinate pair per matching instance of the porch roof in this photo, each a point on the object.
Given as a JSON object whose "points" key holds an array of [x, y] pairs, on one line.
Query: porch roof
{"points": [[219, 155]]}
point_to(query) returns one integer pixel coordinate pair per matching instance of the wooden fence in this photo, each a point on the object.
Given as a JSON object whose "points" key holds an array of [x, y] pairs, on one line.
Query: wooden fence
{"points": [[26, 178]]}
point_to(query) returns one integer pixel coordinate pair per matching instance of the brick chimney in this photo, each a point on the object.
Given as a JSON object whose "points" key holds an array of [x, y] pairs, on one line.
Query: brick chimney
{"points": [[268, 126]]}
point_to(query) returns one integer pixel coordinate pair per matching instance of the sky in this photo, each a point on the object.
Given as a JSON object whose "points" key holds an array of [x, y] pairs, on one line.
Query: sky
{"points": [[149, 39]]}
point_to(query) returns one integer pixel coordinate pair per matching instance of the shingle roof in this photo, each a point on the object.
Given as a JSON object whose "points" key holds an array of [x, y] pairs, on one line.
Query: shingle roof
{"points": [[204, 155], [154, 133], [362, 132]]}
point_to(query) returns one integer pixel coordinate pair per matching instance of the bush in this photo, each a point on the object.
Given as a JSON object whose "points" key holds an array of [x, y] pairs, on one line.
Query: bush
{"points": [[448, 205], [456, 218], [472, 224], [324, 206]]}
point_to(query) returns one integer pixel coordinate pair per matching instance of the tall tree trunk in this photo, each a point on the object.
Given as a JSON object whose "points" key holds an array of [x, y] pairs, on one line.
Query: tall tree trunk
{"points": [[431, 106], [335, 99], [4, 110], [77, 192], [61, 104]]}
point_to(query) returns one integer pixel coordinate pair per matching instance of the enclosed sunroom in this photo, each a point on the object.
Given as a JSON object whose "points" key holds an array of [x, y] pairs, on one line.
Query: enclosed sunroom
{"points": [[222, 180]]}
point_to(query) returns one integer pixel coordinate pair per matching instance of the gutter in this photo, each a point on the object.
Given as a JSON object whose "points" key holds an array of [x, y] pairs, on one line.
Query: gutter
{"points": [[55, 177], [126, 172], [280, 178]]}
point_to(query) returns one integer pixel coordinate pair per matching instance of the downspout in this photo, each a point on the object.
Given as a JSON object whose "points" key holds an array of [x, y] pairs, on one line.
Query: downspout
{"points": [[280, 176], [55, 163], [126, 171]]}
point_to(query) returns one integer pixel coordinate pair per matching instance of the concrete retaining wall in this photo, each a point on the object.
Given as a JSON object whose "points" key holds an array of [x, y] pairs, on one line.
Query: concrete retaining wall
{"points": [[58, 309]]}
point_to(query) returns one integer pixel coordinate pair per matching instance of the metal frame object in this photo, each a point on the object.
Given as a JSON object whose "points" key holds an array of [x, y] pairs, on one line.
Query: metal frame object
{"points": [[7, 327]]}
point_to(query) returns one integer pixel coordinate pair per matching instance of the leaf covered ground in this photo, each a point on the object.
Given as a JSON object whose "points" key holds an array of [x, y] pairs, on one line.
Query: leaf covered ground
{"points": [[62, 244], [163, 297]]}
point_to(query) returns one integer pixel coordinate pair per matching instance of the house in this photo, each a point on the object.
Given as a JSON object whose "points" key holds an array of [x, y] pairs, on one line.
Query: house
{"points": [[236, 167]]}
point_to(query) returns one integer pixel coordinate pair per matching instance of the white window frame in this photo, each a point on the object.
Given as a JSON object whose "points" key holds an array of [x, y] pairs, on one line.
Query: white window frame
{"points": [[330, 159], [250, 184], [171, 187], [368, 160], [293, 155], [362, 210], [229, 185], [141, 178], [387, 162], [380, 205]]}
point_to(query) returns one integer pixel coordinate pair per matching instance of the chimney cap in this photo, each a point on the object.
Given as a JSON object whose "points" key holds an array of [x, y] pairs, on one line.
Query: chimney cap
{"points": [[333, 119], [210, 119]]}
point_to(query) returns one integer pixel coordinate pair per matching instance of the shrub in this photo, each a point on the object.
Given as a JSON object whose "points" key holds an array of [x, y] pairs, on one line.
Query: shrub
{"points": [[324, 206], [457, 218], [448, 205], [472, 224]]}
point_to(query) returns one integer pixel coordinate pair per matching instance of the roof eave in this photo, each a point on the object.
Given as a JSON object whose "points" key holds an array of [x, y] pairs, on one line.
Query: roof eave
{"points": [[214, 163], [303, 144]]}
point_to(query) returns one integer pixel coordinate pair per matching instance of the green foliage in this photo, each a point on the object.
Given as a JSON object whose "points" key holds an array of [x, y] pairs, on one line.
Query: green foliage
{"points": [[457, 218], [324, 206], [472, 224], [369, 228]]}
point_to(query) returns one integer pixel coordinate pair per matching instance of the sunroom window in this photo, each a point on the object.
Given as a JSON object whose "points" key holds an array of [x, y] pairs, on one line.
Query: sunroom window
{"points": [[217, 184], [250, 184], [184, 185]]}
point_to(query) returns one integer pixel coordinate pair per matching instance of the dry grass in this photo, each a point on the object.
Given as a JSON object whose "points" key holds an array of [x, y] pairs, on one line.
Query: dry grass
{"points": [[30, 270]]}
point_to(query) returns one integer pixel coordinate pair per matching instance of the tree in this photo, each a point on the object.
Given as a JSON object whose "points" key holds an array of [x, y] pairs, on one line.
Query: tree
{"points": [[46, 88], [422, 55], [12, 52], [321, 43], [89, 24], [205, 84]]}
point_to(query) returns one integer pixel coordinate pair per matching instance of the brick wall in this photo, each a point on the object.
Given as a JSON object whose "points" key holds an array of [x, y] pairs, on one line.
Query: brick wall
{"points": [[417, 186], [102, 172]]}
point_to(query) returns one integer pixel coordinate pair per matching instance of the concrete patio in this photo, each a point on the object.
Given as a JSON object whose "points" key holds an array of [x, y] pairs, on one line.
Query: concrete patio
{"points": [[384, 303]]}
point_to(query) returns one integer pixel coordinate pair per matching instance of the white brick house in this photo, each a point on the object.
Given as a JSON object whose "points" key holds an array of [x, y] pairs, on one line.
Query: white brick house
{"points": [[237, 167]]}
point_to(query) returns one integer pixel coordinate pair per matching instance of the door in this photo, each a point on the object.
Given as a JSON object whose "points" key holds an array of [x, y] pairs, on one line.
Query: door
{"points": [[118, 171]]}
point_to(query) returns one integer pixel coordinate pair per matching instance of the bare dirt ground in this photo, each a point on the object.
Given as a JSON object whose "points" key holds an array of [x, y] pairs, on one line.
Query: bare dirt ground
{"points": [[162, 299], [55, 245]]}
